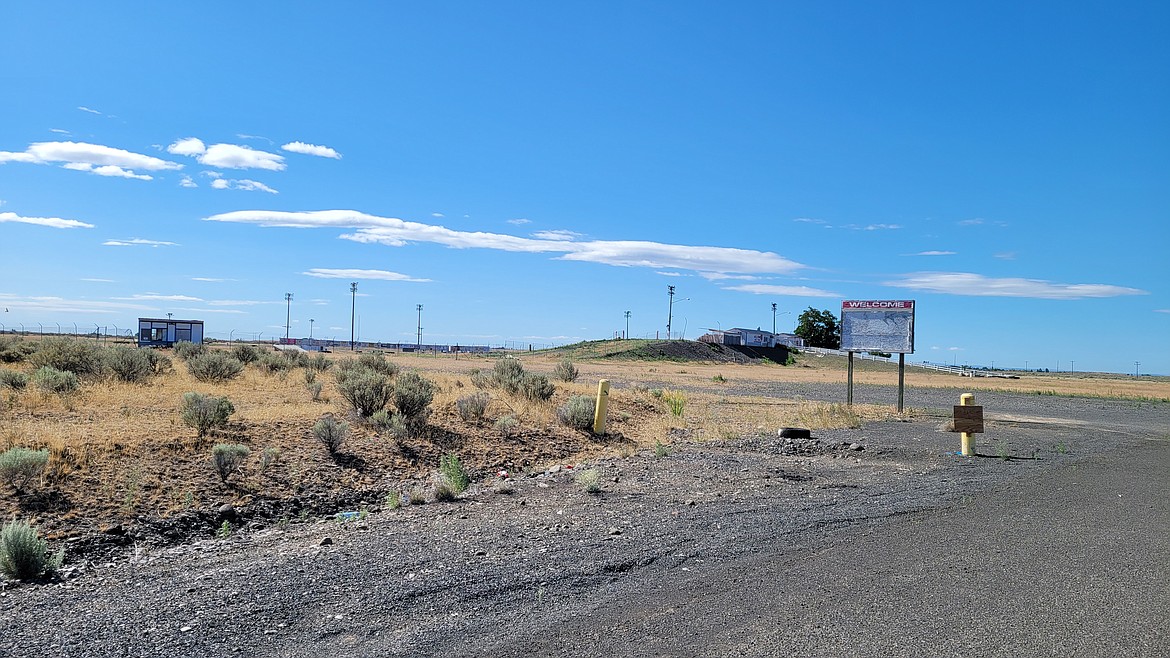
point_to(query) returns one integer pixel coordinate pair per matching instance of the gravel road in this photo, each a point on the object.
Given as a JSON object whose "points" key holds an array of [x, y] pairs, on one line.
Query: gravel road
{"points": [[866, 542]]}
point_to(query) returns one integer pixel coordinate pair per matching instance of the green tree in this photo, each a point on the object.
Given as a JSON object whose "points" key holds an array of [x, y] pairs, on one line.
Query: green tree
{"points": [[819, 329]]}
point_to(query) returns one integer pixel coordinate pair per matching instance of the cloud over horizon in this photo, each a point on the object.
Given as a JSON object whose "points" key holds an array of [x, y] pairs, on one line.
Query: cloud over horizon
{"points": [[51, 222], [372, 229], [966, 283]]}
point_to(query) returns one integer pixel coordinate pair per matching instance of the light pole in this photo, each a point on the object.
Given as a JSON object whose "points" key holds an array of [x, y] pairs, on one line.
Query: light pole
{"points": [[627, 334], [311, 321], [773, 318], [418, 337], [1136, 366], [669, 309], [352, 311], [287, 314]]}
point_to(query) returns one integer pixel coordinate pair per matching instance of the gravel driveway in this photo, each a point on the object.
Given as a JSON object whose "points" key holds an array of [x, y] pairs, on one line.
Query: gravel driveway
{"points": [[760, 546]]}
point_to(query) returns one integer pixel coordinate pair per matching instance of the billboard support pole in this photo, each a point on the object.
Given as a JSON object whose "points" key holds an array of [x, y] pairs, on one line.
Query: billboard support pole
{"points": [[901, 381], [849, 387]]}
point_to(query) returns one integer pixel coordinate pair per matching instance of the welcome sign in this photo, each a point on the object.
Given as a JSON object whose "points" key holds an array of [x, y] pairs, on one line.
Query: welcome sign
{"points": [[878, 326]]}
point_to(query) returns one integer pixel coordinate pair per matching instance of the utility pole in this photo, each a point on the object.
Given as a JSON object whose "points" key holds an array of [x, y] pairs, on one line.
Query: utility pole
{"points": [[418, 338], [311, 321], [669, 309], [773, 318], [352, 311], [627, 334], [1136, 365], [287, 314]]}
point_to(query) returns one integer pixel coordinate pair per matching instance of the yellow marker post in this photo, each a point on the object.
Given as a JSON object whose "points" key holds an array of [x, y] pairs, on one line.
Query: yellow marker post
{"points": [[599, 409], [966, 400]]}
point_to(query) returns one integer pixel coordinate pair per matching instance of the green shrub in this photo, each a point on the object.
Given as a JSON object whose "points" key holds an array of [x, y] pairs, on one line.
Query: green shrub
{"points": [[536, 387], [577, 412], [129, 364], [14, 349], [52, 380], [295, 358], [377, 362], [676, 401], [13, 379], [471, 408], [19, 467], [365, 390], [480, 379], [383, 421], [315, 391], [227, 458], [506, 425], [319, 363], [79, 357], [508, 374], [270, 363], [205, 412], [566, 371], [452, 473], [185, 349], [214, 367], [331, 433], [159, 362], [412, 396], [24, 555], [246, 353]]}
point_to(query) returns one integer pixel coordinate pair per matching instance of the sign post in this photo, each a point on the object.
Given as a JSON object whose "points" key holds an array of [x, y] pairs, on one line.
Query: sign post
{"points": [[878, 326]]}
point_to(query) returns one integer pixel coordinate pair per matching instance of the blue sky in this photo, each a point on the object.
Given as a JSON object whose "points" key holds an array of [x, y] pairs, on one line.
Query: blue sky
{"points": [[530, 171]]}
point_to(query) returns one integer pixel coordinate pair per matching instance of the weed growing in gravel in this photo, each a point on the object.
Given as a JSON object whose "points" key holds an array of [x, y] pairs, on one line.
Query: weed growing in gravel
{"points": [[24, 555], [590, 480], [661, 449], [676, 401], [452, 473], [393, 500], [719, 379], [205, 412], [268, 458], [331, 433], [418, 496], [506, 425], [228, 457], [443, 492], [1001, 449], [20, 467], [224, 531], [1061, 448], [577, 412]]}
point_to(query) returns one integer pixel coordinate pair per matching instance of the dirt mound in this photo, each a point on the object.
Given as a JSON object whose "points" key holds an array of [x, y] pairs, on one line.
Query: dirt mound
{"points": [[679, 350]]}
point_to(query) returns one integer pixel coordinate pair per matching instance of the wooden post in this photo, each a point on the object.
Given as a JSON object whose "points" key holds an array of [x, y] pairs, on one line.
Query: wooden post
{"points": [[849, 387], [901, 381]]}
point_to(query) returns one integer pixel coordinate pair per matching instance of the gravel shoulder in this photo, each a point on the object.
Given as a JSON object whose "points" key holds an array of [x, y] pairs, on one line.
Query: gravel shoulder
{"points": [[750, 546]]}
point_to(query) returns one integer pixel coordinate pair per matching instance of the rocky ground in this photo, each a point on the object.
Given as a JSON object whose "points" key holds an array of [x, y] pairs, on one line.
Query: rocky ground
{"points": [[515, 559]]}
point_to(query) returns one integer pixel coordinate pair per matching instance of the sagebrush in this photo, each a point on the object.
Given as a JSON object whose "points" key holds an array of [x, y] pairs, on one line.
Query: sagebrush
{"points": [[24, 555], [205, 412]]}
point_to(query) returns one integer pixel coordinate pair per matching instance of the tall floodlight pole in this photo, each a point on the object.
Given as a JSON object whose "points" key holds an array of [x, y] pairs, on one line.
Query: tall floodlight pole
{"points": [[669, 309], [352, 311], [287, 313], [1136, 366], [418, 337], [311, 321], [627, 334], [773, 317]]}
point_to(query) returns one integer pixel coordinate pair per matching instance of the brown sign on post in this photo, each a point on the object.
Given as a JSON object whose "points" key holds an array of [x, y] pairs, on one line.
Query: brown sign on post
{"points": [[969, 419]]}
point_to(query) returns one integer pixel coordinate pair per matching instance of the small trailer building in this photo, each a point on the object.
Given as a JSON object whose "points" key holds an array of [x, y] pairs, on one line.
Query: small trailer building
{"points": [[750, 338], [164, 332]]}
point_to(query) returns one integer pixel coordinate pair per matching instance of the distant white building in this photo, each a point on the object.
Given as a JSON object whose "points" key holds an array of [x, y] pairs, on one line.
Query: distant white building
{"points": [[750, 338], [165, 332]]}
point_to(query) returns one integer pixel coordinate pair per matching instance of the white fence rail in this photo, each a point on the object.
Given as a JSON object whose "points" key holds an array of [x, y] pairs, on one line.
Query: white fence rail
{"points": [[950, 370]]}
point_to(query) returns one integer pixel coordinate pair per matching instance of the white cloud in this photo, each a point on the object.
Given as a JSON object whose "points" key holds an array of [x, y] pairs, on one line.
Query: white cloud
{"points": [[311, 149], [94, 280], [934, 253], [873, 227], [669, 273], [964, 283], [211, 174], [63, 305], [1162, 310], [187, 181], [106, 170], [154, 296], [1006, 255], [809, 220], [233, 156], [520, 221], [556, 235], [208, 279], [438, 215], [382, 275], [719, 276], [139, 242], [93, 158], [86, 109], [59, 131], [240, 302], [189, 146], [212, 310], [253, 186], [788, 291], [52, 222], [221, 183], [396, 232]]}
